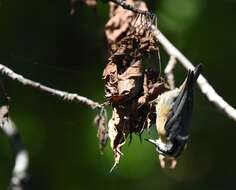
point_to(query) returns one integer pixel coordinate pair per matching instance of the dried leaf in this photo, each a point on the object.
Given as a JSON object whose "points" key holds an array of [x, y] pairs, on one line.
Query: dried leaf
{"points": [[102, 133], [120, 20], [155, 84], [129, 83], [116, 135]]}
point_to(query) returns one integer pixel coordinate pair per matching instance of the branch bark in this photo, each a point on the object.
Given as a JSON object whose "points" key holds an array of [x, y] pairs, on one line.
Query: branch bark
{"points": [[169, 72], [72, 97], [126, 6], [19, 179]]}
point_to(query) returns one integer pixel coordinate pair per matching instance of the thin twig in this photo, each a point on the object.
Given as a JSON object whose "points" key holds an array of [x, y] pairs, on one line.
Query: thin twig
{"points": [[205, 87], [169, 72], [19, 178], [72, 97], [132, 8]]}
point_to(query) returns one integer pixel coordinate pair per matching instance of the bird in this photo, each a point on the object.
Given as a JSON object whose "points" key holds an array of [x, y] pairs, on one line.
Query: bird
{"points": [[173, 115]]}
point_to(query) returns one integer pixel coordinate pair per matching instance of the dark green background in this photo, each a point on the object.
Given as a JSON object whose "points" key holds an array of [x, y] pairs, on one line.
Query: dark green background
{"points": [[42, 41]]}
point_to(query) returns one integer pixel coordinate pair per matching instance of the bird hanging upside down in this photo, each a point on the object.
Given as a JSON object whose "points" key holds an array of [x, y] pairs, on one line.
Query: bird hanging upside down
{"points": [[173, 113]]}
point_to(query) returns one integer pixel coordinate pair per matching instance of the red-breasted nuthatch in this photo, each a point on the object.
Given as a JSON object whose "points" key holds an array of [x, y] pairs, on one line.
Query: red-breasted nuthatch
{"points": [[173, 113]]}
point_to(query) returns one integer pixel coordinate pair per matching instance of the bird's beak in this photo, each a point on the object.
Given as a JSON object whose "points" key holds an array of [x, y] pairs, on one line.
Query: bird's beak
{"points": [[154, 142]]}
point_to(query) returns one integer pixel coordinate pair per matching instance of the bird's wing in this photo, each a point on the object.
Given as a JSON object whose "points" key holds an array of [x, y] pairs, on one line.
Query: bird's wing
{"points": [[178, 122]]}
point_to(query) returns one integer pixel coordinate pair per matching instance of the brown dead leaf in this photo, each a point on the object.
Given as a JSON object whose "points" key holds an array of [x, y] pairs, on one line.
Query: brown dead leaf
{"points": [[102, 133], [120, 20], [123, 74], [155, 84], [116, 134], [130, 82]]}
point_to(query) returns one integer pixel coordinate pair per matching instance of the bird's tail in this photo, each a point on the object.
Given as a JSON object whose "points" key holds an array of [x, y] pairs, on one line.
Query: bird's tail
{"points": [[197, 71], [192, 77]]}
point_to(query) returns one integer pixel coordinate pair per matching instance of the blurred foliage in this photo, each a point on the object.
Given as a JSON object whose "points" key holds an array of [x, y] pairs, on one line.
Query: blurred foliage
{"points": [[42, 41]]}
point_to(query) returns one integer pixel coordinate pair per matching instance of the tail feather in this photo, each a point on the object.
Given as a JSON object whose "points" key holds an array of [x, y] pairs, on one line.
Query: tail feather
{"points": [[197, 72]]}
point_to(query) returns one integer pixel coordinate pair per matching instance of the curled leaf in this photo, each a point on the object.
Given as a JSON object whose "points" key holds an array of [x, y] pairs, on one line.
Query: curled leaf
{"points": [[121, 20], [102, 133], [116, 135]]}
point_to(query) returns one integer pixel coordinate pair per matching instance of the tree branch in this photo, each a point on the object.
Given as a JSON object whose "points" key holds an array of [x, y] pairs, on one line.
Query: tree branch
{"points": [[72, 97], [169, 72], [123, 4], [19, 179], [205, 87]]}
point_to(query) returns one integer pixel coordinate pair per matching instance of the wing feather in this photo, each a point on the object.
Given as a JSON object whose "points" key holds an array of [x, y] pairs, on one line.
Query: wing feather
{"points": [[178, 122]]}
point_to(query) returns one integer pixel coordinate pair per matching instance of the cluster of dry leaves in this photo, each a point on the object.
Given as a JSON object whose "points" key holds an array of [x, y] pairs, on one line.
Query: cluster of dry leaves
{"points": [[132, 76]]}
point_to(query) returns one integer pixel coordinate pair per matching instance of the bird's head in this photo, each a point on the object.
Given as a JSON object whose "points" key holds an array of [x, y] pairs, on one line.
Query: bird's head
{"points": [[155, 143]]}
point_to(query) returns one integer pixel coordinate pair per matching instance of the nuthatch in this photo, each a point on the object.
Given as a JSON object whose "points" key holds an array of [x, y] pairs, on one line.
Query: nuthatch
{"points": [[174, 110]]}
